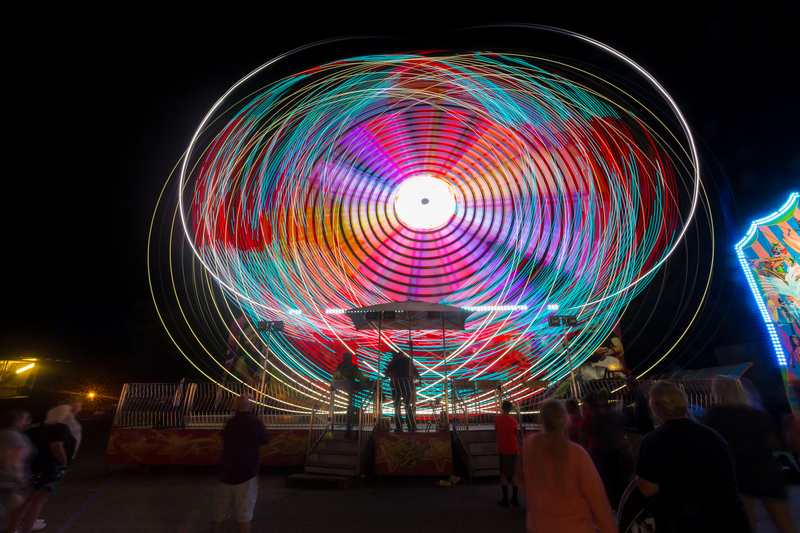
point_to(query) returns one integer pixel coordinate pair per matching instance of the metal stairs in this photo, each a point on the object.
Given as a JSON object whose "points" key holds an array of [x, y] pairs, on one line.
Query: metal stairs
{"points": [[479, 447], [334, 460]]}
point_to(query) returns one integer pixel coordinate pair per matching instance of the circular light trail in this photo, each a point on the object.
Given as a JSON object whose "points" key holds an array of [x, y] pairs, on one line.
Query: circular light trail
{"points": [[508, 183]]}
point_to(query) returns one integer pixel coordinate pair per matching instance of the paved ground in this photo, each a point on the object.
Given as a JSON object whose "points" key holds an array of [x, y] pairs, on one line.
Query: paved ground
{"points": [[178, 499]]}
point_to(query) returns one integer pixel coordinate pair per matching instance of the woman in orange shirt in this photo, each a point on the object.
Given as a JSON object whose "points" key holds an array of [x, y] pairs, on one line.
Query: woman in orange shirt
{"points": [[563, 488]]}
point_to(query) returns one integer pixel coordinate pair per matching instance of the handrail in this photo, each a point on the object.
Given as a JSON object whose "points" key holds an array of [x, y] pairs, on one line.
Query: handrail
{"points": [[120, 405], [461, 428]]}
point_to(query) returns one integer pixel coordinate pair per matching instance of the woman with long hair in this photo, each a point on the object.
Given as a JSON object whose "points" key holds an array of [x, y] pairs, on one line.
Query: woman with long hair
{"points": [[56, 448], [564, 490], [752, 434]]}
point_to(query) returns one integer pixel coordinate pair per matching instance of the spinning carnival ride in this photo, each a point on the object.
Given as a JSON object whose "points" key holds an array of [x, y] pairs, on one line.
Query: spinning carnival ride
{"points": [[502, 183]]}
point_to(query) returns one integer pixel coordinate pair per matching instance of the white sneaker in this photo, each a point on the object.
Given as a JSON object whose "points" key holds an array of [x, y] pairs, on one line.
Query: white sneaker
{"points": [[39, 524]]}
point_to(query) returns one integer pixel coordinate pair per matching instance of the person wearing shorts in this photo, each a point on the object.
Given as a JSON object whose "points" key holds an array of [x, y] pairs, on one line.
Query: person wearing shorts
{"points": [[237, 490], [508, 449], [237, 500]]}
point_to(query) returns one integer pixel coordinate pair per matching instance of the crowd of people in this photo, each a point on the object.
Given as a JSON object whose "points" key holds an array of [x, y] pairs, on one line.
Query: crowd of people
{"points": [[707, 475], [33, 461]]}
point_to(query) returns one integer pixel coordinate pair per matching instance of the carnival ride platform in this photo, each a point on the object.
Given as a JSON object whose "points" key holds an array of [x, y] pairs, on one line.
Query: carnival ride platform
{"points": [[181, 424]]}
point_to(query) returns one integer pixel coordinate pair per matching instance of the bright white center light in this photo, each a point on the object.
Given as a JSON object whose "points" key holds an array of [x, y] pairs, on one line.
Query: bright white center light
{"points": [[425, 202]]}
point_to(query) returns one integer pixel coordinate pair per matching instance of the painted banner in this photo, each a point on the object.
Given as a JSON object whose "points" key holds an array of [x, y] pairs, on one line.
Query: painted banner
{"points": [[286, 447], [413, 454], [770, 257]]}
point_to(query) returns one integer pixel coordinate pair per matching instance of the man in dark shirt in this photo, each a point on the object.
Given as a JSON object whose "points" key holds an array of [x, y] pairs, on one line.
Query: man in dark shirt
{"points": [[238, 474], [691, 467], [401, 371], [600, 428]]}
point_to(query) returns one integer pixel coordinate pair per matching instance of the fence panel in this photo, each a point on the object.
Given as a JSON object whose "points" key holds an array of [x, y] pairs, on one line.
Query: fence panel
{"points": [[170, 405]]}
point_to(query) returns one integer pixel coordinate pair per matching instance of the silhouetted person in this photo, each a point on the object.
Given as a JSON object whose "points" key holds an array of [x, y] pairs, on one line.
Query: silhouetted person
{"points": [[402, 371], [508, 449], [691, 467], [573, 420], [237, 490], [348, 377], [601, 433], [752, 435], [15, 456], [56, 448]]}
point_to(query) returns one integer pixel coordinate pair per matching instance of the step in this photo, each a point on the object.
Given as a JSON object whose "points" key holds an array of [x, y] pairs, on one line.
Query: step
{"points": [[320, 468], [482, 447], [340, 433], [339, 482], [485, 472], [485, 461], [334, 458], [337, 445]]}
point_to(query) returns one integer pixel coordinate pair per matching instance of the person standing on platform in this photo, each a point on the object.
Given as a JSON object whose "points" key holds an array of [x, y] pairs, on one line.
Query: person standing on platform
{"points": [[564, 490], [508, 448], [238, 473], [349, 378], [691, 467], [402, 371]]}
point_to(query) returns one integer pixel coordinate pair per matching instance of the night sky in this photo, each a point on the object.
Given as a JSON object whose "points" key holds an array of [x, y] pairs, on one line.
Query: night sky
{"points": [[105, 113]]}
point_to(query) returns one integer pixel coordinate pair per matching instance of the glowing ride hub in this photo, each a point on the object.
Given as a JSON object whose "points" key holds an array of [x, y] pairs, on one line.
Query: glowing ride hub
{"points": [[425, 202]]}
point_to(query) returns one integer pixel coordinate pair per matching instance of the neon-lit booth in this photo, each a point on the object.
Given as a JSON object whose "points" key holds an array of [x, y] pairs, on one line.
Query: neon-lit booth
{"points": [[770, 257]]}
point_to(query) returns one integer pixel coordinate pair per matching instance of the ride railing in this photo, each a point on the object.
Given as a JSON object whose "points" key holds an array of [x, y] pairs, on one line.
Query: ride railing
{"points": [[318, 406], [278, 405], [461, 421], [345, 400], [426, 397], [623, 398], [145, 405], [481, 399], [175, 405]]}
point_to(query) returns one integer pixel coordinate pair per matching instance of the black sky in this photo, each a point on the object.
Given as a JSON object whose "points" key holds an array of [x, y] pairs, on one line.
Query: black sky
{"points": [[104, 108]]}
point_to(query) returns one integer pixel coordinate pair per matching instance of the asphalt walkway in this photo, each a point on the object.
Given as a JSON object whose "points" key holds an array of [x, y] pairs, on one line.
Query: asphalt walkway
{"points": [[178, 500]]}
